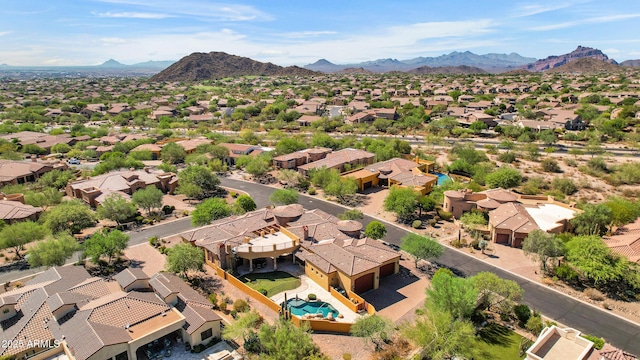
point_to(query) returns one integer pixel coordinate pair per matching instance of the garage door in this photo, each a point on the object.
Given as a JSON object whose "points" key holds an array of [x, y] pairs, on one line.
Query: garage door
{"points": [[387, 270], [502, 238], [364, 283]]}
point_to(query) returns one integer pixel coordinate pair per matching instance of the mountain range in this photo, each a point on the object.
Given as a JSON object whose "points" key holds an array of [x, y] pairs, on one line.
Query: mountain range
{"points": [[487, 62]]}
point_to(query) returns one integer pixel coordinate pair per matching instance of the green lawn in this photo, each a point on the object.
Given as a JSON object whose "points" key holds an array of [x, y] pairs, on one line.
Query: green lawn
{"points": [[496, 342], [274, 282]]}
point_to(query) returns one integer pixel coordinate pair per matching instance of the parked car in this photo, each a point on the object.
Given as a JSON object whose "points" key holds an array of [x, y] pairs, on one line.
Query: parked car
{"points": [[73, 161]]}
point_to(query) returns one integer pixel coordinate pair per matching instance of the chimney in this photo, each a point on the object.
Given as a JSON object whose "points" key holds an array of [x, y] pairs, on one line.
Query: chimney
{"points": [[305, 232]]}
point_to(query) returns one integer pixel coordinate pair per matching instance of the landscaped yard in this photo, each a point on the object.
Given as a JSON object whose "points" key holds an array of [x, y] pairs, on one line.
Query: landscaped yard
{"points": [[273, 282], [496, 342]]}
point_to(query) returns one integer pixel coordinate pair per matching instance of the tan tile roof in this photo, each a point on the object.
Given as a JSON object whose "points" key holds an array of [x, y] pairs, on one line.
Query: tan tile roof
{"points": [[15, 210]]}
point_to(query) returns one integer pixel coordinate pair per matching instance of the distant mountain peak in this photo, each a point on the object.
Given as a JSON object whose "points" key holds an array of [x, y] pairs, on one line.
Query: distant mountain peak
{"points": [[112, 63], [204, 66], [580, 52]]}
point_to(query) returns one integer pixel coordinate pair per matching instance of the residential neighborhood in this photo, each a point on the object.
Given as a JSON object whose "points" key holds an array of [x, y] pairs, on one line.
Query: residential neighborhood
{"points": [[155, 219]]}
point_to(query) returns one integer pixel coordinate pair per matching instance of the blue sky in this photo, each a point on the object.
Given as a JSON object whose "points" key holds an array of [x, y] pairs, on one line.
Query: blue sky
{"points": [[88, 32]]}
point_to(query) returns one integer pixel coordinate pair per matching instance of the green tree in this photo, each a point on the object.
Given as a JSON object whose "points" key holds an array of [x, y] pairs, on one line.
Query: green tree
{"points": [[284, 196], [244, 203], [591, 257], [209, 210], [54, 251], [623, 211], [543, 247], [401, 201], [593, 220], [72, 216], [17, 235], [374, 328], [244, 325], [172, 153], [441, 336], [505, 178], [200, 176], [44, 198], [116, 208], [342, 188], [375, 230], [421, 248], [478, 126], [448, 293], [183, 258], [497, 292], [285, 341], [148, 198], [109, 244]]}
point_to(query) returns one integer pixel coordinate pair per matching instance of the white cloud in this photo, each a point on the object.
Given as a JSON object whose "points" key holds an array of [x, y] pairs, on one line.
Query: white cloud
{"points": [[197, 8], [134, 15], [593, 20], [306, 34], [531, 9]]}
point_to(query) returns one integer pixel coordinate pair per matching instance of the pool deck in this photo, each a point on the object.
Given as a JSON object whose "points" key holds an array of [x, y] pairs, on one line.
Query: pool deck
{"points": [[308, 286]]}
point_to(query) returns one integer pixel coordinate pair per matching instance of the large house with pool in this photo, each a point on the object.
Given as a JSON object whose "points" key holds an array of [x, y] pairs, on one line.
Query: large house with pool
{"points": [[331, 250], [416, 174]]}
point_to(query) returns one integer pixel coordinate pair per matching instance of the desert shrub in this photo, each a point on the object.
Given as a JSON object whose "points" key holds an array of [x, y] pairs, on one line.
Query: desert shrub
{"points": [[240, 305], [598, 342], [594, 294], [416, 224], [444, 215], [507, 157], [564, 185], [550, 165], [523, 313]]}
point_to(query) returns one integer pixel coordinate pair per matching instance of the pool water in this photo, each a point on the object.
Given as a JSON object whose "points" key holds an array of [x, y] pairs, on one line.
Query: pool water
{"points": [[442, 178], [300, 307]]}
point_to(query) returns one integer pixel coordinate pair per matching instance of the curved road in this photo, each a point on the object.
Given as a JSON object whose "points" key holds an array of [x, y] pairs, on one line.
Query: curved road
{"points": [[564, 309]]}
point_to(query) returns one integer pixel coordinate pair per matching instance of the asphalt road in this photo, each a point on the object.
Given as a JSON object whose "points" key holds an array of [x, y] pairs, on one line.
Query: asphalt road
{"points": [[562, 308]]}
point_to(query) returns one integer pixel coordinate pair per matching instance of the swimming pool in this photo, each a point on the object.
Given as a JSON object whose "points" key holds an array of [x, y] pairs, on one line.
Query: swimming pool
{"points": [[300, 307], [442, 177]]}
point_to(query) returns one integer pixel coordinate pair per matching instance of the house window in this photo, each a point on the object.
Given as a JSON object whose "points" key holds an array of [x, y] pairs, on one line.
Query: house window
{"points": [[122, 356], [206, 334]]}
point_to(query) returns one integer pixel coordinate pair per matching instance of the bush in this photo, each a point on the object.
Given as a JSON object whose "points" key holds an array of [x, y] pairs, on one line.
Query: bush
{"points": [[566, 272], [598, 342], [444, 215], [153, 241], [564, 185], [594, 294], [416, 224], [550, 165], [507, 157], [312, 296], [523, 313], [240, 305]]}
